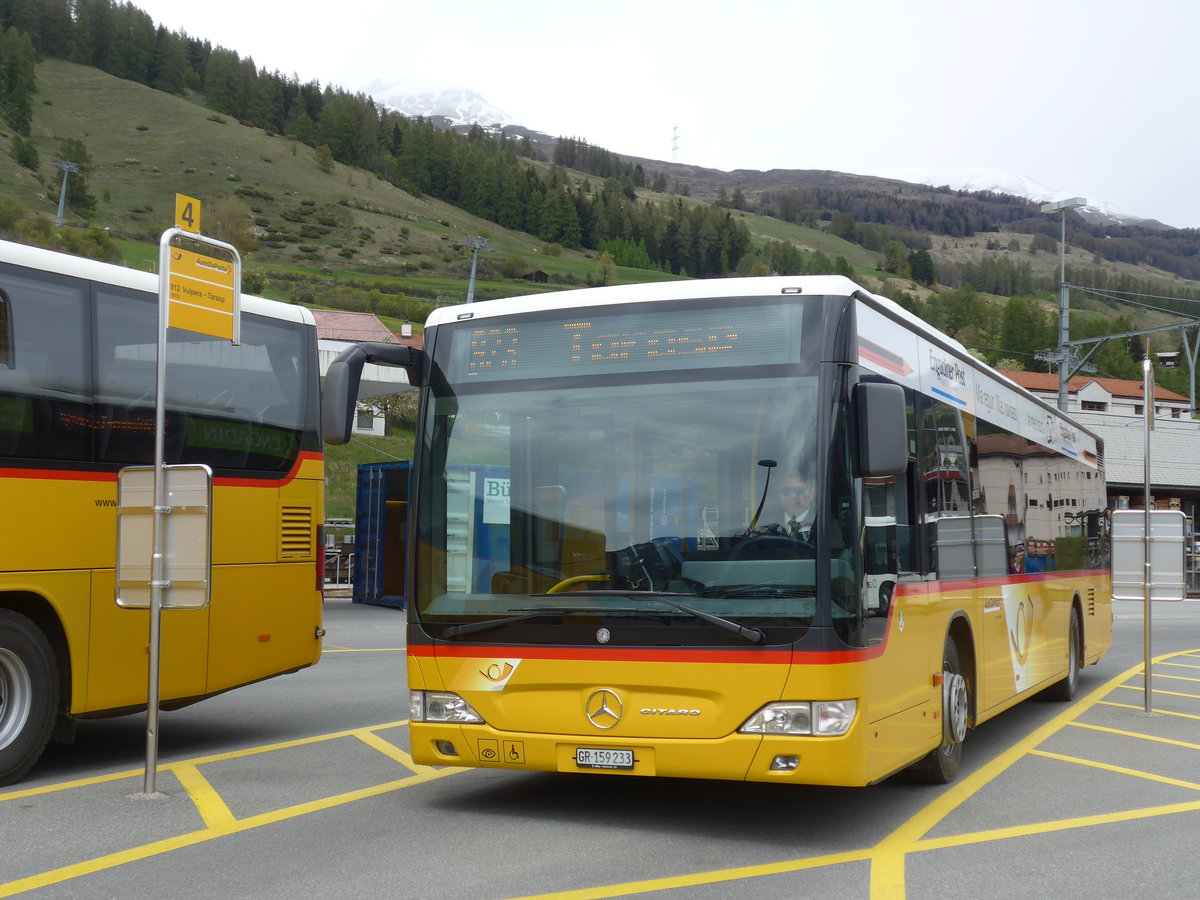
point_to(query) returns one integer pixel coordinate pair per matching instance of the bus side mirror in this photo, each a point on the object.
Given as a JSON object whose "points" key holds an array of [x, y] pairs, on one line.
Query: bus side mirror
{"points": [[339, 394], [882, 429]]}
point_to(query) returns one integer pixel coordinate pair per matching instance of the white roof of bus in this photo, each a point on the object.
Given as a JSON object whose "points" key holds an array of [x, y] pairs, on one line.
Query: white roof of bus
{"points": [[119, 276], [685, 289]]}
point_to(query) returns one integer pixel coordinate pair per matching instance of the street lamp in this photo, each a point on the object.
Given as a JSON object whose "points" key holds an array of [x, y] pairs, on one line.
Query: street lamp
{"points": [[1063, 355]]}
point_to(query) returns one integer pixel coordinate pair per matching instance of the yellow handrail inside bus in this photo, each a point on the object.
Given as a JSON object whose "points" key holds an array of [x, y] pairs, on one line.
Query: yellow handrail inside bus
{"points": [[568, 583]]}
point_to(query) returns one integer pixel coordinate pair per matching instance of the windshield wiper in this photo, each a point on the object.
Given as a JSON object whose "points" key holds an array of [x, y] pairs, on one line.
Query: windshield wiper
{"points": [[454, 631], [748, 632], [797, 592]]}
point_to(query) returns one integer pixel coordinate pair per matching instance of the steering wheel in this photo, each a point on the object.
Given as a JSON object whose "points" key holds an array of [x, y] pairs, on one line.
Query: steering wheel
{"points": [[770, 546]]}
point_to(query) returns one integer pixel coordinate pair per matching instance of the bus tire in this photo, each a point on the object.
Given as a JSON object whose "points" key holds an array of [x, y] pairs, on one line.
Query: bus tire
{"points": [[1064, 691], [940, 765], [28, 695]]}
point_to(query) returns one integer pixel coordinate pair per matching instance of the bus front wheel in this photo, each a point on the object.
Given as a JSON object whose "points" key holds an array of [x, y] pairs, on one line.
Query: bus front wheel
{"points": [[940, 765], [1065, 690], [28, 694]]}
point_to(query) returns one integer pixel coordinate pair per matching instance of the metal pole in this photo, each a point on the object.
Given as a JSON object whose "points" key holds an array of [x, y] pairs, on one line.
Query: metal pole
{"points": [[68, 168], [1191, 358], [1064, 313], [159, 550], [62, 199], [471, 283], [1148, 400]]}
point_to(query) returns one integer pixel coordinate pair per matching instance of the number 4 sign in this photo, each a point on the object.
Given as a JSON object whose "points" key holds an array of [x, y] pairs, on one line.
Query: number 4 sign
{"points": [[187, 213]]}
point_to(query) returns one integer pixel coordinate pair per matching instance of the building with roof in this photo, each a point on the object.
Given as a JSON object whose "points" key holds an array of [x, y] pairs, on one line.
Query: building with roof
{"points": [[1114, 408], [1111, 396], [336, 330]]}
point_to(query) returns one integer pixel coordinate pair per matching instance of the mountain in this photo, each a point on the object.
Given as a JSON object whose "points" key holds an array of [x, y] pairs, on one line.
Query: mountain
{"points": [[1003, 181], [458, 105], [459, 108]]}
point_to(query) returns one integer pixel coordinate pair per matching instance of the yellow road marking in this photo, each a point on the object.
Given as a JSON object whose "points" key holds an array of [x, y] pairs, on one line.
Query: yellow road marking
{"points": [[156, 848], [1181, 665], [887, 867], [997, 834], [208, 802], [1117, 770], [1175, 677], [1157, 691], [700, 878], [363, 649], [1138, 735], [201, 760], [1159, 712], [392, 751]]}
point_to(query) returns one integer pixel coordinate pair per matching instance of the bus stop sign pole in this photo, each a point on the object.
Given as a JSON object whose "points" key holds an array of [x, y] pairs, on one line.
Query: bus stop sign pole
{"points": [[210, 306]]}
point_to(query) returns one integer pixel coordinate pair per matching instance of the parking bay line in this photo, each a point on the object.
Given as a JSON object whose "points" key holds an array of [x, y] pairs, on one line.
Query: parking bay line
{"points": [[887, 881], [219, 820], [156, 848]]}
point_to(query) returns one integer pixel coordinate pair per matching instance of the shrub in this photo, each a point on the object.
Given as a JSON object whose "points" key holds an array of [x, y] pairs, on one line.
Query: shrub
{"points": [[25, 152]]}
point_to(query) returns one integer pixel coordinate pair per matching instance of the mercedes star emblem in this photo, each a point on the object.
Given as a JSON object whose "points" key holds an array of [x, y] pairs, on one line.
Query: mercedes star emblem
{"points": [[603, 709]]}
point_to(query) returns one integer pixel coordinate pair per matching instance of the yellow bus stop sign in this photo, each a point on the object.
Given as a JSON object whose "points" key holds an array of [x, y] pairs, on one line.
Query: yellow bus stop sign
{"points": [[200, 291]]}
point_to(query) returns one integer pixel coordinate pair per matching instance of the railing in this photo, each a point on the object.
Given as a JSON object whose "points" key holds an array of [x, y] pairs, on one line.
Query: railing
{"points": [[339, 568]]}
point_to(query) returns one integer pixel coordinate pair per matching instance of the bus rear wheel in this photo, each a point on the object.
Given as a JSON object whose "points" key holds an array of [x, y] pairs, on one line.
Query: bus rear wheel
{"points": [[28, 695], [940, 765]]}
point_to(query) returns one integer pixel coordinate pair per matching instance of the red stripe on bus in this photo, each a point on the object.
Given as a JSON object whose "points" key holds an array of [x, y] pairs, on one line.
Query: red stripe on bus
{"points": [[57, 474], [937, 587], [615, 654], [656, 655], [302, 457], [77, 475]]}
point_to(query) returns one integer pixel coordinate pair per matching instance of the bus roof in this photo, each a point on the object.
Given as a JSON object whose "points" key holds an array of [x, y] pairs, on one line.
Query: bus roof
{"points": [[120, 276], [652, 292], [683, 289]]}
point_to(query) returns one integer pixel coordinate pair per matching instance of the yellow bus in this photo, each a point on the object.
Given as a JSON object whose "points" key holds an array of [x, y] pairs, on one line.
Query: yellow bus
{"points": [[765, 529], [78, 344]]}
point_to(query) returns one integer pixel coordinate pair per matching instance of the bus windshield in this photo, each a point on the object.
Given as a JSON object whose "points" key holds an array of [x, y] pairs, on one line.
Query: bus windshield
{"points": [[585, 496]]}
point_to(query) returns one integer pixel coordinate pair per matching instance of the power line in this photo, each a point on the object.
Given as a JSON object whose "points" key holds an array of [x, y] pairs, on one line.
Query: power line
{"points": [[1117, 296]]}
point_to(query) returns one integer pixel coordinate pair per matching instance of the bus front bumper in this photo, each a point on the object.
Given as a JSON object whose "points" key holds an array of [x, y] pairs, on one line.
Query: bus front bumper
{"points": [[736, 757]]}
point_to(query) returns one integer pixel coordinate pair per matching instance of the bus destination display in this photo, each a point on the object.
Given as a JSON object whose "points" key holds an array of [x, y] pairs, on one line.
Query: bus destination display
{"points": [[631, 342]]}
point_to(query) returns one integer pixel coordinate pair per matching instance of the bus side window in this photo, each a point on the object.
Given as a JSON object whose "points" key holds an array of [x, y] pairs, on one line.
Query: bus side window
{"points": [[5, 332], [944, 472], [45, 390]]}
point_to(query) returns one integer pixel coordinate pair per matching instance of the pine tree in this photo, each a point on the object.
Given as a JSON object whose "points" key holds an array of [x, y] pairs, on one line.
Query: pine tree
{"points": [[17, 80]]}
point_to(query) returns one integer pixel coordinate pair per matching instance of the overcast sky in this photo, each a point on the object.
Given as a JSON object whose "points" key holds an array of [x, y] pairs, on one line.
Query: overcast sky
{"points": [[1092, 98]]}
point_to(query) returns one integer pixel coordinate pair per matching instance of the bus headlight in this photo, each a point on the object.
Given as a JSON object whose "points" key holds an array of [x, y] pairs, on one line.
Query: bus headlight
{"points": [[817, 717], [833, 716], [441, 706]]}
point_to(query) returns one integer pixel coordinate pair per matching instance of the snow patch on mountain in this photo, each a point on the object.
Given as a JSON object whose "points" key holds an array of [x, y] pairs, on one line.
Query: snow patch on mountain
{"points": [[460, 105], [1002, 181]]}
